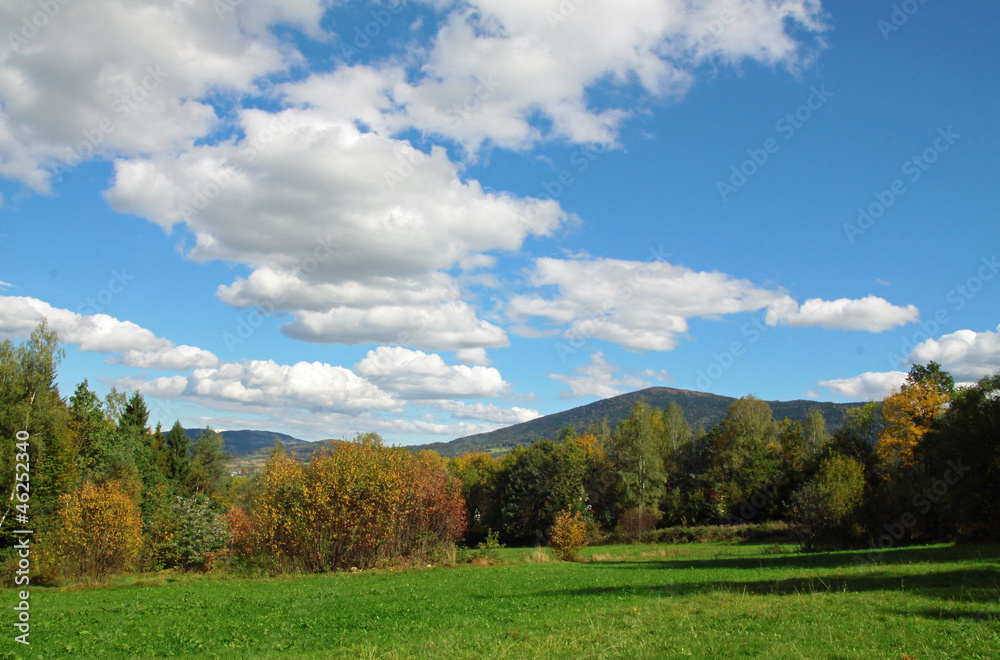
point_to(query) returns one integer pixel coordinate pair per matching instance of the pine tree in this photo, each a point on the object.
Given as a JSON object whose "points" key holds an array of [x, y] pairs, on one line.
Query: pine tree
{"points": [[178, 458]]}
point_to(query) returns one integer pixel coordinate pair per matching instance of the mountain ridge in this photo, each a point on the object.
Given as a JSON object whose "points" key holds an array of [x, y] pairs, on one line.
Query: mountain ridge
{"points": [[700, 409]]}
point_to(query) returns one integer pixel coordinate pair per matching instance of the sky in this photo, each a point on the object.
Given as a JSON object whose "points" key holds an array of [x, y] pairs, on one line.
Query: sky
{"points": [[430, 218]]}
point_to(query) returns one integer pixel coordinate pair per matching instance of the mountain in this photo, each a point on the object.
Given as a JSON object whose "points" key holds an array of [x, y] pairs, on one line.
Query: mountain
{"points": [[700, 409], [244, 442]]}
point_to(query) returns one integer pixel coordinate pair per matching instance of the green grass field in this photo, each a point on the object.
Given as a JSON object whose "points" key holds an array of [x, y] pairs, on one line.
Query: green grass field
{"points": [[696, 600]]}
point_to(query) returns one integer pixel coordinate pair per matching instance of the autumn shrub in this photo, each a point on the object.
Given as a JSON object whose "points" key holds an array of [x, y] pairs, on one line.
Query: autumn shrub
{"points": [[434, 511], [97, 531], [569, 535], [358, 504]]}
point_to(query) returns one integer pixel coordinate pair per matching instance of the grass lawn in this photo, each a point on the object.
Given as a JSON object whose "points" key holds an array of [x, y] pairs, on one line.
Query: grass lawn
{"points": [[696, 600]]}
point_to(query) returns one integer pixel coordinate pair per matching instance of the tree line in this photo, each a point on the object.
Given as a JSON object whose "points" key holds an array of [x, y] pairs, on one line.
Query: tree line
{"points": [[921, 465], [110, 493]]}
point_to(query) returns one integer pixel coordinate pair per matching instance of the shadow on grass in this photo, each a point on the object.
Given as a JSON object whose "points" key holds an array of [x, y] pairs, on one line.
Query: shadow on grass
{"points": [[975, 586], [907, 555]]}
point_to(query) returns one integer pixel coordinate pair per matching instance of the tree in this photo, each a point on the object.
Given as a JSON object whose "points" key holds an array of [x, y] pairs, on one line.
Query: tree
{"points": [[30, 402], [826, 504], [636, 450], [533, 484], [908, 414], [477, 472], [746, 457], [569, 534], [98, 531], [208, 462], [135, 414], [962, 451], [178, 458], [815, 433]]}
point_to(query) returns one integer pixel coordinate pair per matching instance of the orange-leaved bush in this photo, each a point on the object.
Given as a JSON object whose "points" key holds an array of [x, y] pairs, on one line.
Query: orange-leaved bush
{"points": [[98, 530], [569, 534], [353, 505]]}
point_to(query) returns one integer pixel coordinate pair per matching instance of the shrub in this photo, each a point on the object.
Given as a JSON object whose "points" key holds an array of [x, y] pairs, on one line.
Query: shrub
{"points": [[636, 522], [357, 505], [569, 535], [827, 503], [201, 534], [98, 531]]}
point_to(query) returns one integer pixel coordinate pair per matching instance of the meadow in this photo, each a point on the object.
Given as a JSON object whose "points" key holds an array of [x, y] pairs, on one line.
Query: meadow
{"points": [[626, 601]]}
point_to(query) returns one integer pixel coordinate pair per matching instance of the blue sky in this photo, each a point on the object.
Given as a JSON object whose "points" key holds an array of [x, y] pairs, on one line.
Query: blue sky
{"points": [[476, 213]]}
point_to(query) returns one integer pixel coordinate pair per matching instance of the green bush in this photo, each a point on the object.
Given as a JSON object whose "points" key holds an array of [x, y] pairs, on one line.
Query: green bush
{"points": [[825, 506], [201, 532]]}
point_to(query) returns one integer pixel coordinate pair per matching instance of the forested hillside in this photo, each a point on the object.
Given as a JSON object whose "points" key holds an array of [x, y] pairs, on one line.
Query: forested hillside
{"points": [[701, 410]]}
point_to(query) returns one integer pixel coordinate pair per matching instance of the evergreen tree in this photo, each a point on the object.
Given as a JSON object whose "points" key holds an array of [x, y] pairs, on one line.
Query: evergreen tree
{"points": [[179, 459], [135, 413], [208, 462]]}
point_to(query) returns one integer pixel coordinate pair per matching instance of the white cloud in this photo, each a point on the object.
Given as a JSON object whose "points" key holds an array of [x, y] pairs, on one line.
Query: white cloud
{"points": [[178, 358], [418, 375], [489, 412], [966, 354], [646, 305], [100, 333], [597, 379], [639, 305], [355, 259], [63, 99], [309, 385], [867, 386], [477, 356], [500, 63], [870, 314]]}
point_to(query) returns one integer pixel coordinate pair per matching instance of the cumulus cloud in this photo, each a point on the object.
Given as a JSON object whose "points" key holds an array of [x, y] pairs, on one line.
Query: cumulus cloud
{"points": [[489, 412], [646, 305], [178, 358], [870, 314], [418, 375], [100, 333], [966, 354], [639, 305], [354, 258], [64, 101], [314, 386], [500, 63], [597, 378], [867, 386]]}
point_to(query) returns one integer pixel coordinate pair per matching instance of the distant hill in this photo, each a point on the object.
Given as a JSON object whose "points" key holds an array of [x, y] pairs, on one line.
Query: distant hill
{"points": [[700, 409], [245, 442]]}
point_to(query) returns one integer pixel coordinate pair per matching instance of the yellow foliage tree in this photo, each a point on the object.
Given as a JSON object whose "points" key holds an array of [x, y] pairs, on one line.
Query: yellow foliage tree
{"points": [[98, 531], [907, 414], [569, 535]]}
